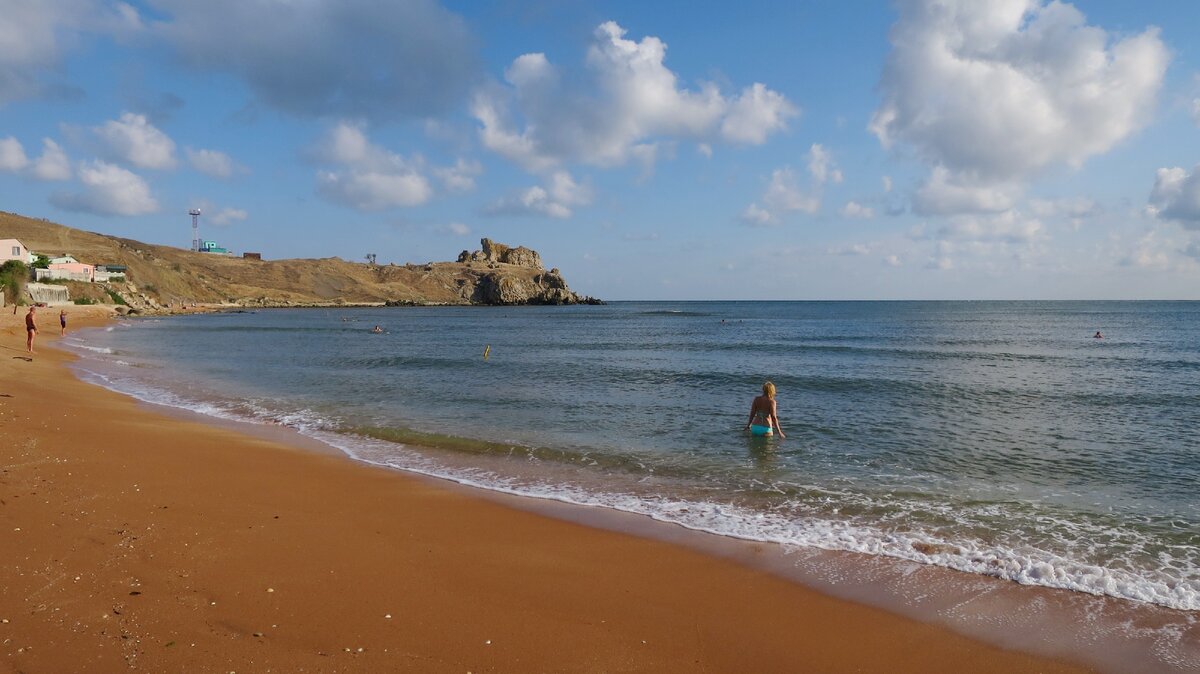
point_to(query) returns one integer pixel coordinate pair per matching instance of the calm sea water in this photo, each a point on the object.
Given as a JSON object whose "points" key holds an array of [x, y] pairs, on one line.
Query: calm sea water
{"points": [[997, 438]]}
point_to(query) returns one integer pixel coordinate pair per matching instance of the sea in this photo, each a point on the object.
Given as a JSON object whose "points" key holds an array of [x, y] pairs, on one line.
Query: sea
{"points": [[1003, 440]]}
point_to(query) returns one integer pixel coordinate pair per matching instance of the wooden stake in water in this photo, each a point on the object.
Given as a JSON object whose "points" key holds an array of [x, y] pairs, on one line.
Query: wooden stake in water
{"points": [[487, 350]]}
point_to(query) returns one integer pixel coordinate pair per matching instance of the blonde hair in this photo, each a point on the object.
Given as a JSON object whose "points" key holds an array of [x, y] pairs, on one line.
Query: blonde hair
{"points": [[769, 390]]}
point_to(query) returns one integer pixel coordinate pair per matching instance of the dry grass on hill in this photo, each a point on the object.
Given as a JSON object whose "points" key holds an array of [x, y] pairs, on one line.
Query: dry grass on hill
{"points": [[171, 276]]}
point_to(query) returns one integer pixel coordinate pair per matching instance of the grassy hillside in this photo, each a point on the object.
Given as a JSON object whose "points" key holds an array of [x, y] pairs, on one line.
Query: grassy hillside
{"points": [[166, 276]]}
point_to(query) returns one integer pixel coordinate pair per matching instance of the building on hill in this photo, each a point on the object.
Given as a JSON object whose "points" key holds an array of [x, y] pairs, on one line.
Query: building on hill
{"points": [[12, 249], [212, 247], [106, 272], [71, 271], [65, 258]]}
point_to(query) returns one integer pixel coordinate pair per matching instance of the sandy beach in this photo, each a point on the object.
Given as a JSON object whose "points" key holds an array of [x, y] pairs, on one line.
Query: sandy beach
{"points": [[135, 540]]}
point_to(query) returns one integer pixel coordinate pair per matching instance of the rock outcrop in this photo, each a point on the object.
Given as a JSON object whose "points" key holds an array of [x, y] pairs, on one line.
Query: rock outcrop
{"points": [[498, 283], [519, 256]]}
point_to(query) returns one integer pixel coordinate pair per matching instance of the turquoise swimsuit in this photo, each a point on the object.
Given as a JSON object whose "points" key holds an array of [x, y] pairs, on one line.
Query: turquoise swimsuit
{"points": [[755, 429]]}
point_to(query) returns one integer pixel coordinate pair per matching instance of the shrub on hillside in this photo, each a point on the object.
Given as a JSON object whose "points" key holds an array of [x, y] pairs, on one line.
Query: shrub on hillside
{"points": [[13, 276]]}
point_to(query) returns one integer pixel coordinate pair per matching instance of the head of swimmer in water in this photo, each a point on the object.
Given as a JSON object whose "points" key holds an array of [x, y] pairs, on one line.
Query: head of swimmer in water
{"points": [[769, 390]]}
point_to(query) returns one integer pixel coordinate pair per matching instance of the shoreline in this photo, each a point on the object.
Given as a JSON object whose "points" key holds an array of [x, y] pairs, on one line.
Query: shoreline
{"points": [[124, 548], [1054, 622]]}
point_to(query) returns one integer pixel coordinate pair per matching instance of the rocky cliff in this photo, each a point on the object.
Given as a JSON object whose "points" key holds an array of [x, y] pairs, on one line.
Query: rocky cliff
{"points": [[504, 277], [163, 278]]}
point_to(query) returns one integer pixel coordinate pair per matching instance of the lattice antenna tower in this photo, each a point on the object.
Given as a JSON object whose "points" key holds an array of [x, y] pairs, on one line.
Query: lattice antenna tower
{"points": [[195, 213]]}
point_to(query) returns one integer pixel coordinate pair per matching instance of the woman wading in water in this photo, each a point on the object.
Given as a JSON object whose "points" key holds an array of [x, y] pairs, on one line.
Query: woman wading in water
{"points": [[764, 419]]}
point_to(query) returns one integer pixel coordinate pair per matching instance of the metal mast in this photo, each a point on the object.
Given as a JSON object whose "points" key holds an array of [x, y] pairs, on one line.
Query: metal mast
{"points": [[195, 213]]}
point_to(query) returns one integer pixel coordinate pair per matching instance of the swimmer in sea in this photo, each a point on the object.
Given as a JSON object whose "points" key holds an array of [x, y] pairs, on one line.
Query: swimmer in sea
{"points": [[377, 330], [764, 417], [1097, 335]]}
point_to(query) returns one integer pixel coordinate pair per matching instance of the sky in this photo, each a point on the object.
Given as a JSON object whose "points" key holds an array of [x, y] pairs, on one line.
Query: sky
{"points": [[923, 149]]}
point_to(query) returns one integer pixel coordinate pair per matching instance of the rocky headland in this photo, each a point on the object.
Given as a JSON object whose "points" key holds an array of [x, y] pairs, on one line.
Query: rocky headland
{"points": [[166, 279]]}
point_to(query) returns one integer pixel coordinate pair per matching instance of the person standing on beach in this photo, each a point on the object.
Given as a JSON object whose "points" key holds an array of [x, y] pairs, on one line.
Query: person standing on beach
{"points": [[30, 327], [62, 321], [764, 417]]}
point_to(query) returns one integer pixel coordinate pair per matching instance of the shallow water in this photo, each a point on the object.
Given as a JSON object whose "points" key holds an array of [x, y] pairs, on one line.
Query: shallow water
{"points": [[997, 438]]}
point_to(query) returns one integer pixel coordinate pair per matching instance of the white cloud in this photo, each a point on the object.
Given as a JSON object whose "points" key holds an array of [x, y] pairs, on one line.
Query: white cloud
{"points": [[370, 178], [1009, 227], [941, 260], [457, 228], [28, 42], [755, 114], [109, 190], [892, 260], [1071, 207], [347, 58], [821, 166], [1147, 253], [12, 155], [533, 201], [460, 177], [53, 164], [366, 190], [210, 162], [554, 201], [1074, 209], [226, 216], [35, 34], [705, 149], [887, 183], [1196, 111], [783, 195], [135, 140], [947, 193], [991, 93], [756, 215], [626, 105], [1176, 196], [853, 209]]}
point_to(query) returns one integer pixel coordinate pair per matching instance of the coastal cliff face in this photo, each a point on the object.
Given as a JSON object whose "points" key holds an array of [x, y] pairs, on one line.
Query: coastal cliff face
{"points": [[503, 277], [163, 278]]}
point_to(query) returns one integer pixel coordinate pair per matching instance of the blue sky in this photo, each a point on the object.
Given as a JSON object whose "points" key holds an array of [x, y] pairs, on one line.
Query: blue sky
{"points": [[933, 149]]}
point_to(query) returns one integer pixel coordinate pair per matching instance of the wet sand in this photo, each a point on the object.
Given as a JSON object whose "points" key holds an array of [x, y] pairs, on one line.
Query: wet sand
{"points": [[133, 539]]}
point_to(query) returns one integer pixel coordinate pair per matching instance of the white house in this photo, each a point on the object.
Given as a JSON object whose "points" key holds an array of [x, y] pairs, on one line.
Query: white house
{"points": [[65, 258], [12, 249]]}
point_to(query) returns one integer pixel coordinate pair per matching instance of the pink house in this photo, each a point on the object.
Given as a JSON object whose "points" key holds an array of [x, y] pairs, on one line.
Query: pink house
{"points": [[75, 271], [12, 249]]}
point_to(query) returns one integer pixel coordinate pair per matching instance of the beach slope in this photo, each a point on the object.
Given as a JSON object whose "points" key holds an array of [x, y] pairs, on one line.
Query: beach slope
{"points": [[137, 540]]}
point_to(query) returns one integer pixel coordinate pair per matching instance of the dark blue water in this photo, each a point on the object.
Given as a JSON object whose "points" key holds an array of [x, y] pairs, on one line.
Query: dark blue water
{"points": [[997, 438]]}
